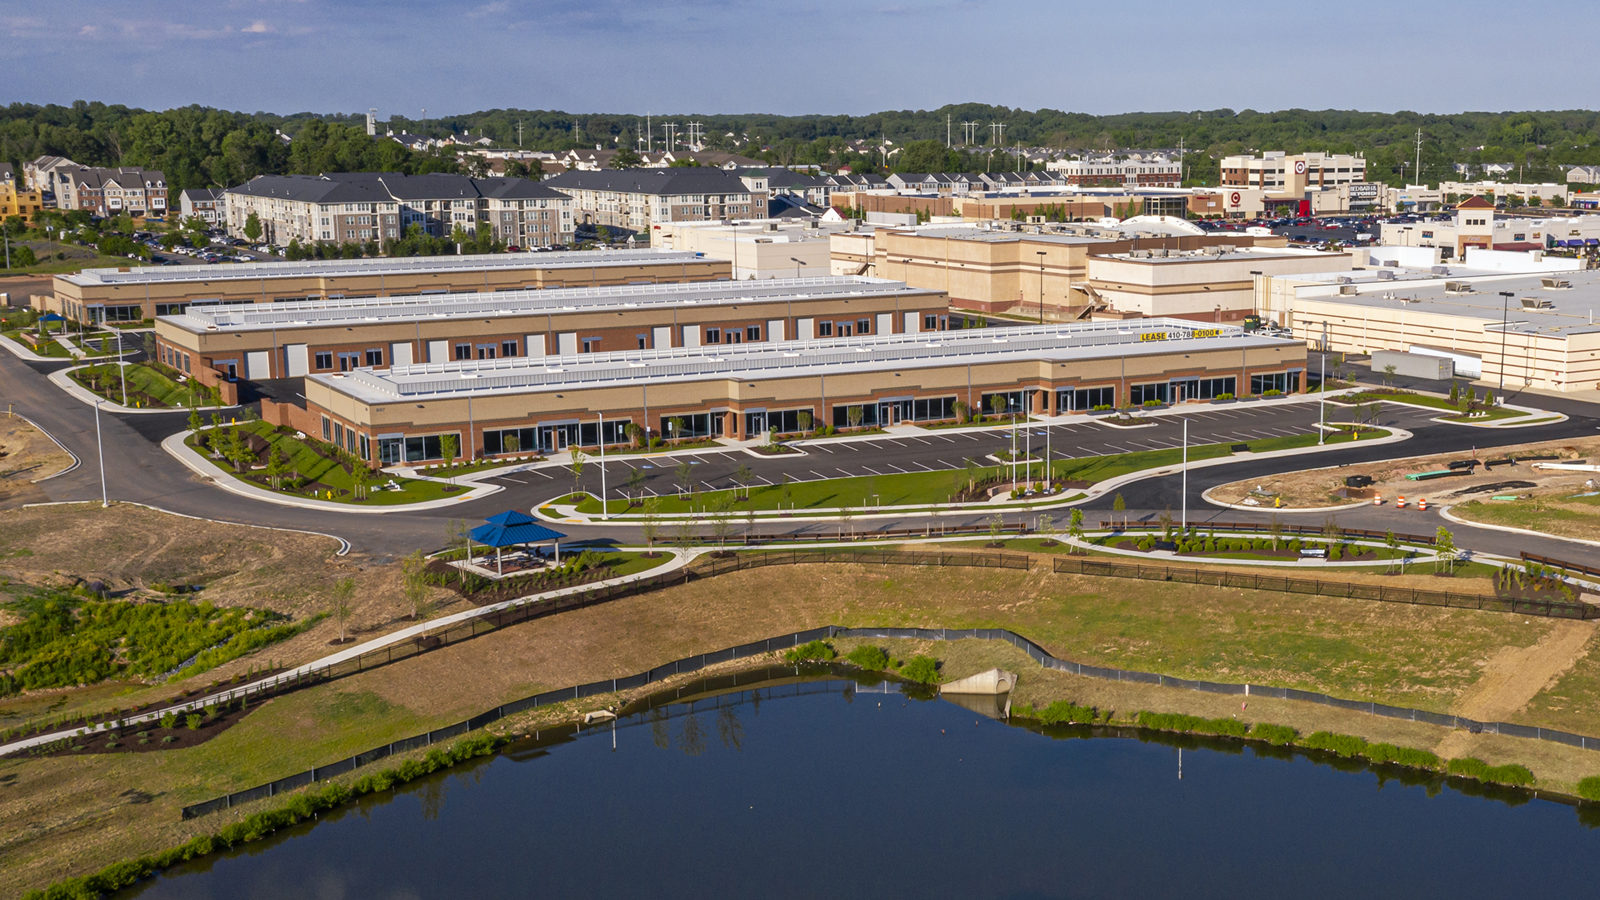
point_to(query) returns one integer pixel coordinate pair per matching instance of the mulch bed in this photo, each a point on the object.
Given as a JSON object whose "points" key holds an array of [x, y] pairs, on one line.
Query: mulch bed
{"points": [[155, 738]]}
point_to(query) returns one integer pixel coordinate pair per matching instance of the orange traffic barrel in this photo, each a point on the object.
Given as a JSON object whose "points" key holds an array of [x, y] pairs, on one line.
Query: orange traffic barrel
{"points": [[1400, 502], [1422, 504], [1378, 500]]}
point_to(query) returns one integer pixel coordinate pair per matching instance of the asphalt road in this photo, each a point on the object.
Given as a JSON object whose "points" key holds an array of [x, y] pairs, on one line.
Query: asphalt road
{"points": [[136, 469]]}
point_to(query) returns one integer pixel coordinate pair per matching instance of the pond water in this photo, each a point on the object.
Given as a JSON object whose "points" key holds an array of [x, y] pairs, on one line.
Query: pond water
{"points": [[824, 786]]}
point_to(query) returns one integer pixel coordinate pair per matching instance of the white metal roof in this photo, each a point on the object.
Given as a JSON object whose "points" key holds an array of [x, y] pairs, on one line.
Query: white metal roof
{"points": [[521, 302], [408, 265], [754, 361]]}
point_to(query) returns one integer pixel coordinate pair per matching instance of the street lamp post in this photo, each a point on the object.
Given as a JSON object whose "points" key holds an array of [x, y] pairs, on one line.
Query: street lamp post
{"points": [[605, 508], [797, 264], [1040, 254], [1505, 312], [1183, 521], [99, 451]]}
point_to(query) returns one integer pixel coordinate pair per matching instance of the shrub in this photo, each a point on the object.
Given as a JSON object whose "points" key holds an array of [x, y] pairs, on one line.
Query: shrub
{"points": [[1276, 735], [868, 657], [1472, 767], [922, 670], [1405, 756], [1063, 711], [1192, 724], [169, 739], [811, 650], [1346, 745], [192, 721], [1589, 788], [1151, 404]]}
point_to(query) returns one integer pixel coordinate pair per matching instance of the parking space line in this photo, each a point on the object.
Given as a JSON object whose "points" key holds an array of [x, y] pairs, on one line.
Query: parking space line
{"points": [[514, 480], [924, 467], [820, 476], [538, 473], [822, 448], [894, 467]]}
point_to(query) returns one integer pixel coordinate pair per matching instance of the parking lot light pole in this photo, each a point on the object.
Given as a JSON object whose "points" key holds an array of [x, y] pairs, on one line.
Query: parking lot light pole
{"points": [[1505, 312], [1040, 254], [1183, 521], [99, 451], [605, 508]]}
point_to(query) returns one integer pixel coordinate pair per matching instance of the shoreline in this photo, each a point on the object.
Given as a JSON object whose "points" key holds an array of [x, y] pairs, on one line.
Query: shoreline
{"points": [[1322, 746]]}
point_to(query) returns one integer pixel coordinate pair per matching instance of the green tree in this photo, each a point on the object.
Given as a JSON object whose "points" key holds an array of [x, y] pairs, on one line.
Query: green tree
{"points": [[685, 475], [414, 584], [576, 465], [1075, 526], [1120, 505], [802, 419], [1444, 544], [854, 415], [626, 158], [650, 525], [634, 486], [1393, 543], [449, 446], [742, 477], [252, 228], [340, 604], [277, 467]]}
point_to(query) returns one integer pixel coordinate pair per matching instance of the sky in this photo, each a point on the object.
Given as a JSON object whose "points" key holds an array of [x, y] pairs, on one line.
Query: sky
{"points": [[804, 56]]}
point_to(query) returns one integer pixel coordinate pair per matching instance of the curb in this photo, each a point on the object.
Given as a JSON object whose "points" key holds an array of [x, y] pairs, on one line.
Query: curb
{"points": [[175, 447], [76, 462], [62, 378], [1445, 513]]}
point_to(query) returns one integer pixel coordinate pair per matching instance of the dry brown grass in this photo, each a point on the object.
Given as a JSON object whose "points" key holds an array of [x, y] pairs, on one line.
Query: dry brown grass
{"points": [[1319, 487], [26, 455]]}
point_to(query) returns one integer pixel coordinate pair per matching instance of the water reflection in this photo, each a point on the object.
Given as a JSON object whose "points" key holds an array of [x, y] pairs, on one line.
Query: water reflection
{"points": [[889, 794]]}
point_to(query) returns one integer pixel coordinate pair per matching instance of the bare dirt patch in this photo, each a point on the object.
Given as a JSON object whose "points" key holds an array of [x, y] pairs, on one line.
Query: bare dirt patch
{"points": [[1515, 675], [26, 455], [1314, 488]]}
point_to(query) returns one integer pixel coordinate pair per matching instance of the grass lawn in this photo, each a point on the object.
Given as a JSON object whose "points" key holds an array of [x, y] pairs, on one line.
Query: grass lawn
{"points": [[926, 488], [321, 474], [75, 263], [45, 348], [1493, 414], [1398, 653], [1562, 514], [147, 387]]}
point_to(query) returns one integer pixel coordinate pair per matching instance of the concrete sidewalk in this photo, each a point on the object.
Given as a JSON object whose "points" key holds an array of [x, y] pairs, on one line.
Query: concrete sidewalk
{"points": [[174, 445]]}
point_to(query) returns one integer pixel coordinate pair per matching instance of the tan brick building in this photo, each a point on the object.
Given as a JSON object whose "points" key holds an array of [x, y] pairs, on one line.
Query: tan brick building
{"points": [[132, 294], [503, 406]]}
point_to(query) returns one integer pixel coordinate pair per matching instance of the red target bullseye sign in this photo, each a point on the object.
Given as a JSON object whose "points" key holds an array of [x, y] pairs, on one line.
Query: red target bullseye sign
{"points": [[1300, 167], [1234, 198]]}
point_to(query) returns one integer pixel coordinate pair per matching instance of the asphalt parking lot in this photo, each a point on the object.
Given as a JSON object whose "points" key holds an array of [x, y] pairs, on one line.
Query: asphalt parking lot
{"points": [[933, 451]]}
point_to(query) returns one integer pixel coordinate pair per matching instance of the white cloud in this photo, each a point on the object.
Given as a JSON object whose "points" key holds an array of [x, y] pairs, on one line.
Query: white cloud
{"points": [[257, 27], [499, 7]]}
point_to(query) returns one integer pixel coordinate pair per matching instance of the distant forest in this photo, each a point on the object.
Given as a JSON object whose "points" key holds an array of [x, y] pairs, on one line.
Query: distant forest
{"points": [[198, 146]]}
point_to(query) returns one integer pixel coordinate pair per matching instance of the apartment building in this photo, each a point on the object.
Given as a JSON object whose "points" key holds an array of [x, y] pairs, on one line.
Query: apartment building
{"points": [[111, 192], [505, 406], [1544, 194], [16, 200], [356, 207], [44, 174], [1109, 171], [1277, 172], [310, 336], [205, 204], [637, 199], [135, 293]]}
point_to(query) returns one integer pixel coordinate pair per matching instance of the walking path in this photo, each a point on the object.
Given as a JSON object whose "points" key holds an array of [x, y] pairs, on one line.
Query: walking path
{"points": [[680, 559]]}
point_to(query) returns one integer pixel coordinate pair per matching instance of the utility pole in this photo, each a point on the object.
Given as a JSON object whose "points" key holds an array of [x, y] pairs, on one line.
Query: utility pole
{"points": [[519, 132], [649, 135], [1418, 170], [947, 131]]}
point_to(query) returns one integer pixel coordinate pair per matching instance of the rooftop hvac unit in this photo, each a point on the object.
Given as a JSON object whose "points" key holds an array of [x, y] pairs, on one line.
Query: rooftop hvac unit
{"points": [[1348, 289], [1441, 270], [1385, 275], [1457, 287], [1554, 283], [1343, 279], [1392, 263], [1537, 303]]}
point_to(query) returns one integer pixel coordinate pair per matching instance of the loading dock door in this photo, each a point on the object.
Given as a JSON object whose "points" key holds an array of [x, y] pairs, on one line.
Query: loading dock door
{"points": [[806, 329], [661, 337], [913, 323], [400, 353], [691, 335], [257, 364], [775, 330], [297, 360], [567, 343], [438, 351], [886, 323], [535, 344]]}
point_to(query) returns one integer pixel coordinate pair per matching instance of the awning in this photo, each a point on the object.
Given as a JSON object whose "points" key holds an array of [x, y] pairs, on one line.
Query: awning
{"points": [[512, 528], [1591, 242]]}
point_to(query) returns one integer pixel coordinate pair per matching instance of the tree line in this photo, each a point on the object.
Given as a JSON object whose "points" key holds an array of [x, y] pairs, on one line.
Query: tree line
{"points": [[199, 146]]}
